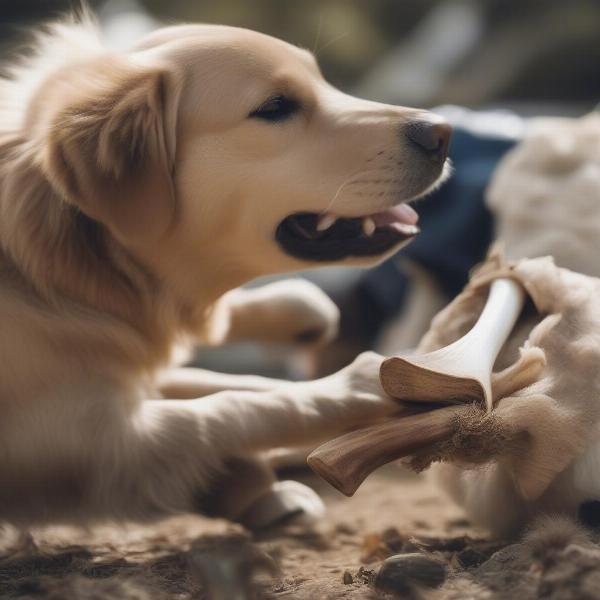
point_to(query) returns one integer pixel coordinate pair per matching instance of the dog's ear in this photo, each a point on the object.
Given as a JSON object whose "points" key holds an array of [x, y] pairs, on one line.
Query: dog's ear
{"points": [[110, 149]]}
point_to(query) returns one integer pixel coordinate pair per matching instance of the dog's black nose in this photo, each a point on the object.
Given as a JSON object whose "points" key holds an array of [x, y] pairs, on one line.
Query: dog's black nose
{"points": [[432, 137]]}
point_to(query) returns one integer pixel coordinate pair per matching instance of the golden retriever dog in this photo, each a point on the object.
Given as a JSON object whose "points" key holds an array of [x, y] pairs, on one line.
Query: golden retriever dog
{"points": [[138, 190]]}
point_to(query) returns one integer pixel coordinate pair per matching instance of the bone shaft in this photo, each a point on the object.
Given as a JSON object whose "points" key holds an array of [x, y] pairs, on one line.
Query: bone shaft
{"points": [[346, 461], [501, 311]]}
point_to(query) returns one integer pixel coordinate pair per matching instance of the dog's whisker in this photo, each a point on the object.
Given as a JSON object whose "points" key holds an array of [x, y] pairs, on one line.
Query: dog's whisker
{"points": [[333, 41], [350, 181], [318, 36]]}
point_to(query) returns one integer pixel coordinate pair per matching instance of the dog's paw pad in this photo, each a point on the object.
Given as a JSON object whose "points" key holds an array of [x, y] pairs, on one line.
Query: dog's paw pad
{"points": [[285, 502]]}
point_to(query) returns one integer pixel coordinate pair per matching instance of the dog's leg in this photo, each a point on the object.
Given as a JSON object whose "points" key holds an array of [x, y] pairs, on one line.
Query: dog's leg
{"points": [[186, 383], [293, 412], [290, 311], [174, 453]]}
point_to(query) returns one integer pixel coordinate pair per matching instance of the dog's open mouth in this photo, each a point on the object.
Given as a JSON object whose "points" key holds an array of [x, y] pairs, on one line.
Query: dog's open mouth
{"points": [[327, 237]]}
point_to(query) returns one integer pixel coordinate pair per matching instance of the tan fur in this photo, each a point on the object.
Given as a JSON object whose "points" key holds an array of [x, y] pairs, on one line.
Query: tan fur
{"points": [[134, 193]]}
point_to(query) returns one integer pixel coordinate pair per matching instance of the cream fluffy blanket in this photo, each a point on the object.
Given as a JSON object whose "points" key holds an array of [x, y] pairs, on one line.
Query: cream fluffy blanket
{"points": [[538, 450]]}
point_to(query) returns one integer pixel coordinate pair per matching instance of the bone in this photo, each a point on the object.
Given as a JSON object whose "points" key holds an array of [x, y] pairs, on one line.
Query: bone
{"points": [[345, 462], [460, 373]]}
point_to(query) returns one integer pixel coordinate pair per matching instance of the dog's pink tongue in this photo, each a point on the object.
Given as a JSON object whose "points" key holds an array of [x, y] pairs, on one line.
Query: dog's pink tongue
{"points": [[402, 213]]}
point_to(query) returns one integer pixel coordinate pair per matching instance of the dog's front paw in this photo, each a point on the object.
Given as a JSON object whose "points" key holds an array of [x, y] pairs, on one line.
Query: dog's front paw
{"points": [[285, 503], [293, 311]]}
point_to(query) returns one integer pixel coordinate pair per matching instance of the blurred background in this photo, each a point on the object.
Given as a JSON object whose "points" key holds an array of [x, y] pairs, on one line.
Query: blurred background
{"points": [[487, 65], [426, 52]]}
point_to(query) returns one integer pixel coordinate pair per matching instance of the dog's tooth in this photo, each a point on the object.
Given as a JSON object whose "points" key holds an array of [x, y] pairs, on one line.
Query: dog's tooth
{"points": [[405, 229], [368, 226], [326, 221]]}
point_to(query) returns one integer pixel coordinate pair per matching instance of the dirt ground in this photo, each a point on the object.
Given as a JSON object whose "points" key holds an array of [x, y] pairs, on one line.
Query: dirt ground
{"points": [[192, 558]]}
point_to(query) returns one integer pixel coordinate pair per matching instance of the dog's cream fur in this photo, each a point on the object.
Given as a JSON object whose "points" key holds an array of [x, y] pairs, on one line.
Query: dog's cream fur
{"points": [[135, 193]]}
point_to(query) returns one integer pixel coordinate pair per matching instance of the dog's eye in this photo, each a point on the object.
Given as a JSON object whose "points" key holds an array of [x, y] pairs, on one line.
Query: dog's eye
{"points": [[278, 108]]}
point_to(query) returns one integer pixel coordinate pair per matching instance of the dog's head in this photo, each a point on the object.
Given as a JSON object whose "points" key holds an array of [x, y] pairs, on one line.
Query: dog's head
{"points": [[223, 153]]}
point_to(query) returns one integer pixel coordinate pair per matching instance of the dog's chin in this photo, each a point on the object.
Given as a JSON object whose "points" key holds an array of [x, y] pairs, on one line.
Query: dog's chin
{"points": [[323, 237]]}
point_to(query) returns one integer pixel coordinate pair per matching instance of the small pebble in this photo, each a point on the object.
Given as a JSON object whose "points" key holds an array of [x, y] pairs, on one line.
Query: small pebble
{"points": [[399, 573], [347, 578]]}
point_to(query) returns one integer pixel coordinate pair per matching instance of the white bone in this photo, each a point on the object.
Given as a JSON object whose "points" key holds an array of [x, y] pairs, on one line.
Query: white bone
{"points": [[461, 371]]}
